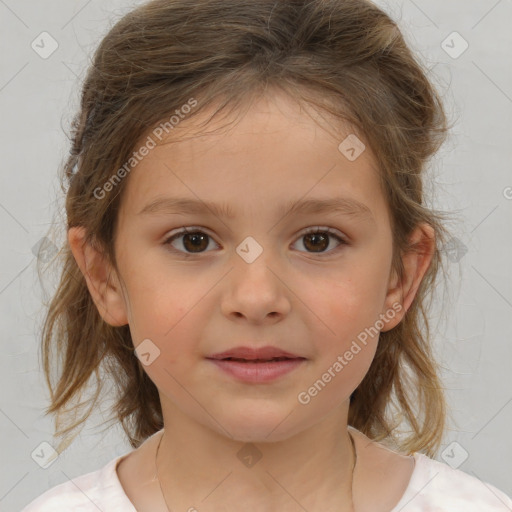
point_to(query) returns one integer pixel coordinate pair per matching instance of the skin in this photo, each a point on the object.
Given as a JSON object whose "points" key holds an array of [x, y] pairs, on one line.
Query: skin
{"points": [[313, 304]]}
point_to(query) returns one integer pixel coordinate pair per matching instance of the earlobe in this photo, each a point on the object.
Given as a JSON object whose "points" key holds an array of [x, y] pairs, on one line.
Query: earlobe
{"points": [[100, 277], [415, 264]]}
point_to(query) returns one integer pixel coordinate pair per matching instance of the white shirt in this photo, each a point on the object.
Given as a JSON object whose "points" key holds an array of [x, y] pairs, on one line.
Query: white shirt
{"points": [[433, 487]]}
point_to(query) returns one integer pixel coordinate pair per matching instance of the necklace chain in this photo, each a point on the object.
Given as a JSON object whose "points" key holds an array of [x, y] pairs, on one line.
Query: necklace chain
{"points": [[354, 456]]}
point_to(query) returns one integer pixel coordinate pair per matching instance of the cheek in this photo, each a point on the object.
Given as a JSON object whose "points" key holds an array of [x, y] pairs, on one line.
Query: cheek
{"points": [[349, 306], [344, 355], [353, 298], [160, 312]]}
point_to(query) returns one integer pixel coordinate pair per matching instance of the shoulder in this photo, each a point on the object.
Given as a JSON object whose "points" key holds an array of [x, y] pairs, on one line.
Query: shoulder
{"points": [[97, 490], [437, 486]]}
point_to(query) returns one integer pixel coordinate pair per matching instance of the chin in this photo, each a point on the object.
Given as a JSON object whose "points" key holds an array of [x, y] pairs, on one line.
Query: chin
{"points": [[257, 426], [258, 435]]}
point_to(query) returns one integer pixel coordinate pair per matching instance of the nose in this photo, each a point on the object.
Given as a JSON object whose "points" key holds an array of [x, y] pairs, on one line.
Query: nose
{"points": [[255, 290]]}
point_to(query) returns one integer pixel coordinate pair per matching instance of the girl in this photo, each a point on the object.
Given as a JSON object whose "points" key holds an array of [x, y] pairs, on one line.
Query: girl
{"points": [[249, 258]]}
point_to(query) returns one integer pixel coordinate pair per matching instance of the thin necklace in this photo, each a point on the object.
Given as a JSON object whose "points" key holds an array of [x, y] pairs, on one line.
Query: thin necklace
{"points": [[354, 456]]}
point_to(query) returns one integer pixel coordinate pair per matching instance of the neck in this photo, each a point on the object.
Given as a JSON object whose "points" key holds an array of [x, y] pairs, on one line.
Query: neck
{"points": [[314, 468]]}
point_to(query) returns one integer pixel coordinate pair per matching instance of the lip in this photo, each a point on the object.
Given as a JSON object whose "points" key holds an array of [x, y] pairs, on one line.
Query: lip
{"points": [[255, 364], [255, 372], [266, 352]]}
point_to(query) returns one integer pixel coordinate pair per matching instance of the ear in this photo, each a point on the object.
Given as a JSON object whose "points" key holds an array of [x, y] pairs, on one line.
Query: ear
{"points": [[101, 278], [416, 262]]}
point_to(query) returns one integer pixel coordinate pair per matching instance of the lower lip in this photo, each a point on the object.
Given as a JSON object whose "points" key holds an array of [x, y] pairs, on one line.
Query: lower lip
{"points": [[257, 372]]}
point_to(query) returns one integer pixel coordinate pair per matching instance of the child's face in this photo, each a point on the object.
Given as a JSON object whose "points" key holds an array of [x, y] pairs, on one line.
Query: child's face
{"points": [[313, 304]]}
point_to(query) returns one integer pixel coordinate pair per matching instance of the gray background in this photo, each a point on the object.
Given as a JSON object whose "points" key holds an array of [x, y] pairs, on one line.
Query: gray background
{"points": [[472, 175]]}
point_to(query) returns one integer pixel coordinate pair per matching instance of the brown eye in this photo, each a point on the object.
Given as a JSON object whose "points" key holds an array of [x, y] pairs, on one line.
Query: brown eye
{"points": [[193, 242], [318, 240]]}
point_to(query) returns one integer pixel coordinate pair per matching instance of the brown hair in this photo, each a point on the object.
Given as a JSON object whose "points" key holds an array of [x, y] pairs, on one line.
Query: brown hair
{"points": [[345, 57]]}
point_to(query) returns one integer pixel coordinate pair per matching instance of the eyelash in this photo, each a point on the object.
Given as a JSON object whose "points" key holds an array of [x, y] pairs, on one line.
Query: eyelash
{"points": [[195, 230]]}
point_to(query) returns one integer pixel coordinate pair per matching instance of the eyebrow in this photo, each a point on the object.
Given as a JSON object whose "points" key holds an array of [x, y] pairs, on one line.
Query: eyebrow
{"points": [[181, 205]]}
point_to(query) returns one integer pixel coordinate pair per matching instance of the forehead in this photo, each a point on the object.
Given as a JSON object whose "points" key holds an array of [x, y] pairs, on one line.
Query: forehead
{"points": [[275, 153]]}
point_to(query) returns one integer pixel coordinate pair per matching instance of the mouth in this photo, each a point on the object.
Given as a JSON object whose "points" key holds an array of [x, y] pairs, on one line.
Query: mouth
{"points": [[242, 360], [248, 353], [257, 371]]}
